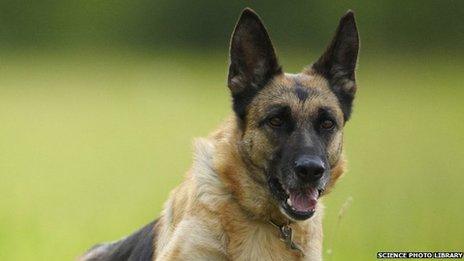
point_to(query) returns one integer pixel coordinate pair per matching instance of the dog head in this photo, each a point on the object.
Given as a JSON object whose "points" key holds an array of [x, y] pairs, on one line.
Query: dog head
{"points": [[292, 124]]}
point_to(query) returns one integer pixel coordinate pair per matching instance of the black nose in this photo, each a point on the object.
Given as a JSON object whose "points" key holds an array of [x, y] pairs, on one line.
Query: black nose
{"points": [[309, 168]]}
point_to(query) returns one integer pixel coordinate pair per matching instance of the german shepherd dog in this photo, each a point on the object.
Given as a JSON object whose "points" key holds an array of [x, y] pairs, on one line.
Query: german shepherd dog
{"points": [[252, 192]]}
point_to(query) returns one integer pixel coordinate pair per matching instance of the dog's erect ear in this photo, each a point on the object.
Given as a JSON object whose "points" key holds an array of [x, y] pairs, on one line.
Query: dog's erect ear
{"points": [[252, 60], [338, 63]]}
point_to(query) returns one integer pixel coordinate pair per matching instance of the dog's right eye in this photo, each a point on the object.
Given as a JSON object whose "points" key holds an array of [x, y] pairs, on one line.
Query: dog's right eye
{"points": [[275, 122]]}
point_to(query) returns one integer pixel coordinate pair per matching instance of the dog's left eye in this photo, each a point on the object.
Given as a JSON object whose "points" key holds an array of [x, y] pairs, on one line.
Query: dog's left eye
{"points": [[327, 124]]}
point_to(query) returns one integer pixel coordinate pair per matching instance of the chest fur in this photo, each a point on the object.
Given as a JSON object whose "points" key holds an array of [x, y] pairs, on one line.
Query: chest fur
{"points": [[262, 242]]}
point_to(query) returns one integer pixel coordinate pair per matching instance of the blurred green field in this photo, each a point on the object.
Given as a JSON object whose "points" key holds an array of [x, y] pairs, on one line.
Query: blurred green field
{"points": [[91, 144]]}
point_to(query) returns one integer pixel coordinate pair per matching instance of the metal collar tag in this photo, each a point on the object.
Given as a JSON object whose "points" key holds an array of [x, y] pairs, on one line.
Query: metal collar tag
{"points": [[286, 235]]}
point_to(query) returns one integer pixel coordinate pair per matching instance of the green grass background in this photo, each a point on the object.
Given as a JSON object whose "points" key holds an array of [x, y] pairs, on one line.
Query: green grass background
{"points": [[91, 144]]}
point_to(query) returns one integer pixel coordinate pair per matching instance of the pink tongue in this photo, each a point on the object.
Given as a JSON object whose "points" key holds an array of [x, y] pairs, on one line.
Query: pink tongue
{"points": [[304, 201]]}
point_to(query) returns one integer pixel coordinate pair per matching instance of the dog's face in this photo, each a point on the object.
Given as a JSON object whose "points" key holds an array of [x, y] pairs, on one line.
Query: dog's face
{"points": [[292, 124]]}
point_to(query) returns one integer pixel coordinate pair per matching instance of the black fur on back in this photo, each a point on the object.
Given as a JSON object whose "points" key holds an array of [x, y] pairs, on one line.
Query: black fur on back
{"points": [[136, 247]]}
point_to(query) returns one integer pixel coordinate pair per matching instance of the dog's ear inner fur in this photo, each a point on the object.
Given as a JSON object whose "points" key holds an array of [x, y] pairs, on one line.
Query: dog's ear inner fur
{"points": [[338, 63], [252, 60]]}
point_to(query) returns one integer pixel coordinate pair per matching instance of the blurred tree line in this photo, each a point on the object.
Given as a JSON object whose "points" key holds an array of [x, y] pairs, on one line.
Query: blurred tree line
{"points": [[206, 24]]}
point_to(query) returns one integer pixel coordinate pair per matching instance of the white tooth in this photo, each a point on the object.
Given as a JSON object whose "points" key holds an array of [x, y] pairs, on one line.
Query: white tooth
{"points": [[289, 201]]}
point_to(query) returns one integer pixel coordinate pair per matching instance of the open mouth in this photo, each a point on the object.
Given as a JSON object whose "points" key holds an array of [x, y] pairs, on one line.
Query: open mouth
{"points": [[298, 204]]}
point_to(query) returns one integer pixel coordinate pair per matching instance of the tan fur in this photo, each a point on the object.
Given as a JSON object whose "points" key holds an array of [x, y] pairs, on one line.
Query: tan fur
{"points": [[221, 210]]}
